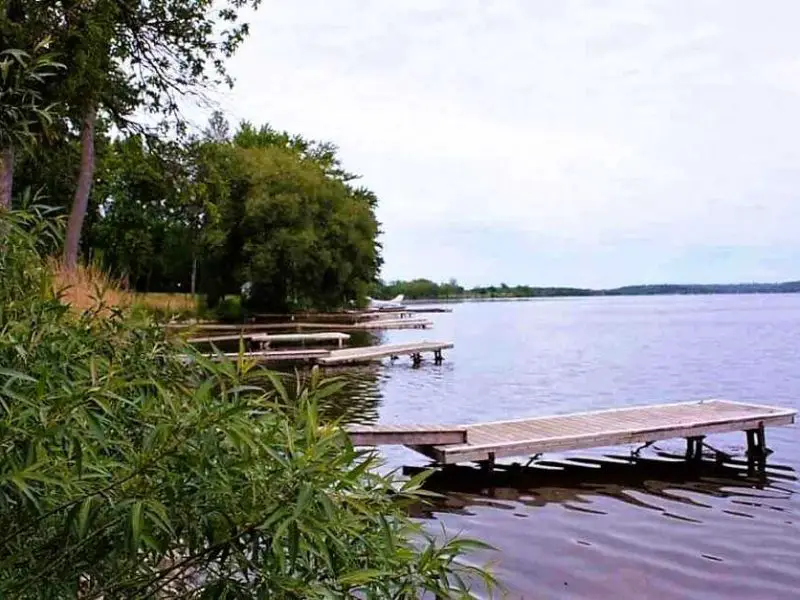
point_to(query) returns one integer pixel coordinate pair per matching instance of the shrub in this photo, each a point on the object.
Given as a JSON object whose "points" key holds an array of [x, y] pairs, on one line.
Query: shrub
{"points": [[128, 471]]}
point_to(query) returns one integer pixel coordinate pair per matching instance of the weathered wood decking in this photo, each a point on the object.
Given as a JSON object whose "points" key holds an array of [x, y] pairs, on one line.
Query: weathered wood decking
{"points": [[268, 339], [370, 353], [370, 324], [215, 339], [299, 326], [327, 357], [274, 338], [273, 356], [640, 424]]}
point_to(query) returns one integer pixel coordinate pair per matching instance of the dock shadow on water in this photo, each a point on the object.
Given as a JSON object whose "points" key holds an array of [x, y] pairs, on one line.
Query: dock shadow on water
{"points": [[617, 526], [571, 482]]}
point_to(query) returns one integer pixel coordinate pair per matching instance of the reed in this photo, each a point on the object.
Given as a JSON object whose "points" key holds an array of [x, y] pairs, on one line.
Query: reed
{"points": [[88, 287]]}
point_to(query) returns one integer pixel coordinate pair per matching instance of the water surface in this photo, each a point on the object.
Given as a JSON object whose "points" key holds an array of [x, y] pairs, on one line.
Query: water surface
{"points": [[597, 525]]}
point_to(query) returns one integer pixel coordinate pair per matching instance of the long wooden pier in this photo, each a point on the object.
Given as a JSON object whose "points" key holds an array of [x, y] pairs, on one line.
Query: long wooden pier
{"points": [[300, 326], [327, 357], [309, 355], [370, 324], [267, 339], [370, 353], [484, 442]]}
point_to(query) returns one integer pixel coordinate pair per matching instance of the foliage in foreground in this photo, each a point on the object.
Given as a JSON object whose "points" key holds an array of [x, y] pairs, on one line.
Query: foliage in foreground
{"points": [[127, 471]]}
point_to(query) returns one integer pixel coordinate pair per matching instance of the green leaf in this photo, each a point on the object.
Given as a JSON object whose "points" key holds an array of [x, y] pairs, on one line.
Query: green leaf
{"points": [[357, 578], [136, 524]]}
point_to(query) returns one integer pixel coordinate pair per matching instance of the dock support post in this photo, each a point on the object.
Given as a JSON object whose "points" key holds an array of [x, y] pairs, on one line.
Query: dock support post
{"points": [[487, 466], [757, 450], [416, 359], [437, 357], [694, 448]]}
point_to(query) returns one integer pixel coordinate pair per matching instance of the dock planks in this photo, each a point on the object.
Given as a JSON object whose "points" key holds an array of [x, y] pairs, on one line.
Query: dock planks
{"points": [[370, 353], [322, 336], [327, 357], [407, 435], [640, 424], [368, 325], [299, 355]]}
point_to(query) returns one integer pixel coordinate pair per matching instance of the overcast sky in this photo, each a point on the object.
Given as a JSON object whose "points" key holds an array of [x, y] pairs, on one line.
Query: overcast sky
{"points": [[550, 142]]}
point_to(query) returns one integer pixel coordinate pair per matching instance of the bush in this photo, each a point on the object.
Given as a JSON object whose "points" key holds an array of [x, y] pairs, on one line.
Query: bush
{"points": [[128, 471]]}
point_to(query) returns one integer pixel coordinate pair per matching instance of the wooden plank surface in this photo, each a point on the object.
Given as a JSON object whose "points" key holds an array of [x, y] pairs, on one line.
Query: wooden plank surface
{"points": [[407, 435], [374, 324], [276, 355], [369, 353], [321, 336], [609, 427], [213, 339]]}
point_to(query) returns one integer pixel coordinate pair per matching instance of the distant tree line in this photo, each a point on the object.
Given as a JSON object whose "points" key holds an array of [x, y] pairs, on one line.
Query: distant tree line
{"points": [[418, 289]]}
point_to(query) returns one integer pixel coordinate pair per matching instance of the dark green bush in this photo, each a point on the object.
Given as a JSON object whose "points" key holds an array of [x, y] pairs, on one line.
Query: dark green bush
{"points": [[127, 471]]}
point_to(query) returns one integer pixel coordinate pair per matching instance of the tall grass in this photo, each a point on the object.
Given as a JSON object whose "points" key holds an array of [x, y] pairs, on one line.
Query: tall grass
{"points": [[88, 287], [131, 467]]}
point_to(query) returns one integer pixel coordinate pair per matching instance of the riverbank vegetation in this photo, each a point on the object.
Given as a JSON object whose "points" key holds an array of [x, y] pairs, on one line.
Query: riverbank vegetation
{"points": [[132, 467], [425, 289]]}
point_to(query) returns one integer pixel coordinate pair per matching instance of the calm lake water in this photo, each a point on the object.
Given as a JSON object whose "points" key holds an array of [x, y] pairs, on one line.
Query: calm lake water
{"points": [[603, 527]]}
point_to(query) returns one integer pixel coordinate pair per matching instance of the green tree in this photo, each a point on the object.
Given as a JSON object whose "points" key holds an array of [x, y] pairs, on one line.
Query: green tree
{"points": [[131, 55], [23, 113], [289, 221], [144, 222]]}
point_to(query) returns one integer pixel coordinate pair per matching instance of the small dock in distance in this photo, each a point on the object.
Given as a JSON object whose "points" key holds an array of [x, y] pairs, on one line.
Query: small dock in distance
{"points": [[247, 329], [299, 355], [369, 324], [345, 356], [484, 442], [370, 353], [267, 339]]}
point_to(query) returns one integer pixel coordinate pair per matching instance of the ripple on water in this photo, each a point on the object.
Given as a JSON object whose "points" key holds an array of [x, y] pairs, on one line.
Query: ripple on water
{"points": [[610, 528]]}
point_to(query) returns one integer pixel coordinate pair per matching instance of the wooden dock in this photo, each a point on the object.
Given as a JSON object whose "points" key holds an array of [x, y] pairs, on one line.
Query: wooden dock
{"points": [[245, 329], [216, 339], [483, 442], [371, 353], [268, 339], [326, 357], [273, 356], [368, 325]]}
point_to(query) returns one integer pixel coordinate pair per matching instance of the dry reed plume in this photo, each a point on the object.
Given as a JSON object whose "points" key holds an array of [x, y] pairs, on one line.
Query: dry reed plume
{"points": [[91, 288]]}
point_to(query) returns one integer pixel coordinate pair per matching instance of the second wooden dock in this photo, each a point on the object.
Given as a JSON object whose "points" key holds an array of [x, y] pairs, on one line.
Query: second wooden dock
{"points": [[325, 357], [370, 353]]}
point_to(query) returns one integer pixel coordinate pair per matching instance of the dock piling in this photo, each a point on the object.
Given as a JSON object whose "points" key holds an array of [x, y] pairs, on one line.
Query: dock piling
{"points": [[694, 448], [757, 450]]}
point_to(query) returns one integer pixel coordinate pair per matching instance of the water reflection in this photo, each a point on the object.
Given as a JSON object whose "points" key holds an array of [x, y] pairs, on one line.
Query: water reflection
{"points": [[638, 482], [359, 401]]}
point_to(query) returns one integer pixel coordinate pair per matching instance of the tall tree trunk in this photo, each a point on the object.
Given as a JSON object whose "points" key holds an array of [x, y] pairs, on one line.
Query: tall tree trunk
{"points": [[82, 190], [194, 276], [6, 175]]}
